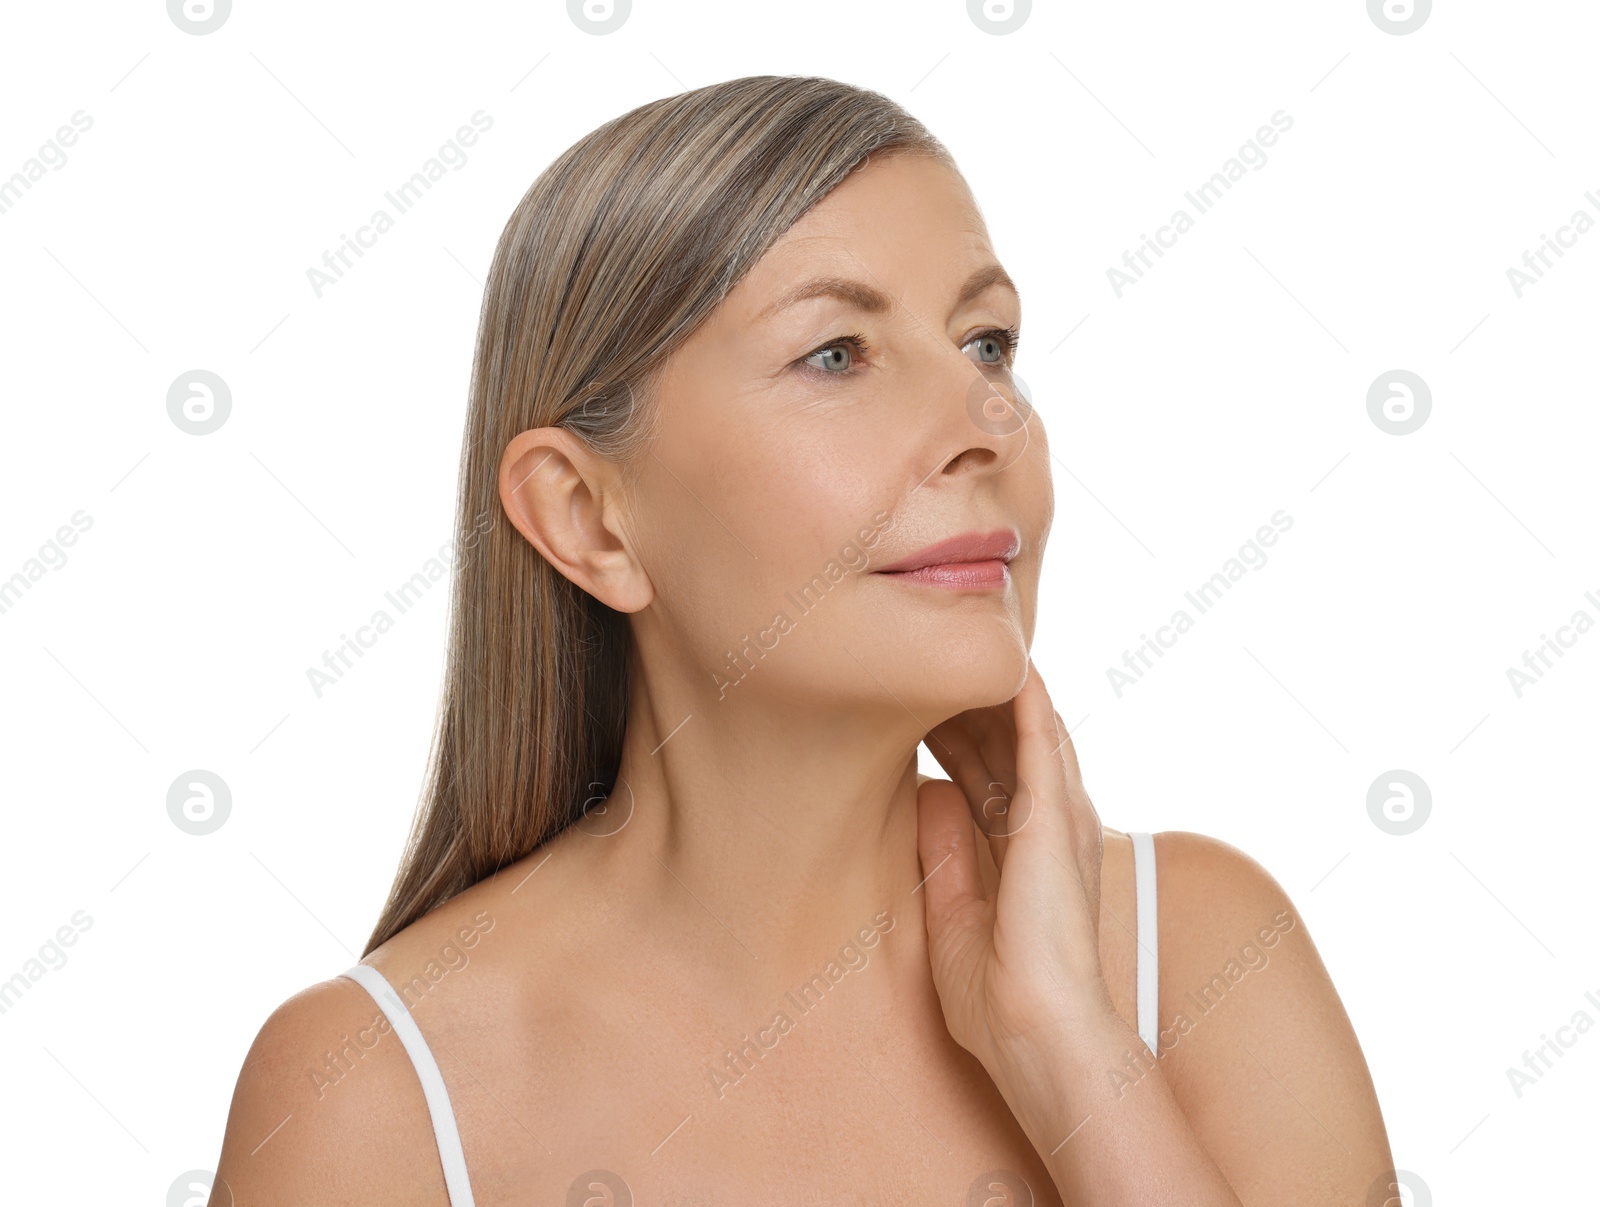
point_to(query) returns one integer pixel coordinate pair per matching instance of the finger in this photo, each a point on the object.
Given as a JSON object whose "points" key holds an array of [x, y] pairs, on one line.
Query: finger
{"points": [[988, 798], [1041, 773], [1056, 832], [949, 852], [1066, 755], [993, 733], [1080, 820], [1069, 752], [996, 733], [1081, 810]]}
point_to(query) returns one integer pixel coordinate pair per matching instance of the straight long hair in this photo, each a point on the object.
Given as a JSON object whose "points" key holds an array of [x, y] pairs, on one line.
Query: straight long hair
{"points": [[619, 250]]}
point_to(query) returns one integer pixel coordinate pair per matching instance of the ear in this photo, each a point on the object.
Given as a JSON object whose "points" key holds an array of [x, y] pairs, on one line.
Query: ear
{"points": [[567, 502]]}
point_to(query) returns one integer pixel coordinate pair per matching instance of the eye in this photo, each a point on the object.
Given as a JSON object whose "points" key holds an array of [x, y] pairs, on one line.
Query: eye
{"points": [[833, 365], [997, 344]]}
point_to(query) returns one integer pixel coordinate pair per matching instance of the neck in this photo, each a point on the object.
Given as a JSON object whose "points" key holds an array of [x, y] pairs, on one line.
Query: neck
{"points": [[762, 836]]}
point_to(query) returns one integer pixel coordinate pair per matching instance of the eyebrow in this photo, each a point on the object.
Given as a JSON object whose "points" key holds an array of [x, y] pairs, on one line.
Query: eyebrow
{"points": [[864, 297]]}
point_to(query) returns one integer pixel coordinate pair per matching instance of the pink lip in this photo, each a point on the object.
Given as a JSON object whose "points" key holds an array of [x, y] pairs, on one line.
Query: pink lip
{"points": [[972, 559]]}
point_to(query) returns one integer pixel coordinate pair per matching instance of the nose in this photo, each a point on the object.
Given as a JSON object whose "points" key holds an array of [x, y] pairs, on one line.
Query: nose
{"points": [[989, 418]]}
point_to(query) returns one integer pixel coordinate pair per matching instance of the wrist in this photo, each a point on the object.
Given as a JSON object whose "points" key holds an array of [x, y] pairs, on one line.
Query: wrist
{"points": [[1061, 1072]]}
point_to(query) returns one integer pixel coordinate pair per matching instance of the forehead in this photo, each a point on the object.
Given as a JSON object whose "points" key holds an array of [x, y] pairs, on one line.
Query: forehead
{"points": [[906, 223]]}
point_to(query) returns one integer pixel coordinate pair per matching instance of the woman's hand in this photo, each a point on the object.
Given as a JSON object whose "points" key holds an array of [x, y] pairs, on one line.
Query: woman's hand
{"points": [[1016, 969], [1019, 974]]}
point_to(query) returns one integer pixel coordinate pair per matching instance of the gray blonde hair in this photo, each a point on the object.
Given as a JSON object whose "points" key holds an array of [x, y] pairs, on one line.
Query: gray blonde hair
{"points": [[613, 257]]}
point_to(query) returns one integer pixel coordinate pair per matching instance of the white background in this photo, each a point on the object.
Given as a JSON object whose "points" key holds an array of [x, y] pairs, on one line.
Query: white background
{"points": [[1228, 383]]}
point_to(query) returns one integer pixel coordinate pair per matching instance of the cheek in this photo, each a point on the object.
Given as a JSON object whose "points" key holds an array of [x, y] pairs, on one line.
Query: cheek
{"points": [[811, 498], [732, 519], [1039, 495], [787, 486]]}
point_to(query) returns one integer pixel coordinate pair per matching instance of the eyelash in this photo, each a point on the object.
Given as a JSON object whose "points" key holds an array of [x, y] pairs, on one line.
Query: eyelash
{"points": [[1008, 337]]}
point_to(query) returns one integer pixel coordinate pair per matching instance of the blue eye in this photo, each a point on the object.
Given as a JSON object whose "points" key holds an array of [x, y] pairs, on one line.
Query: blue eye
{"points": [[832, 365], [1002, 341]]}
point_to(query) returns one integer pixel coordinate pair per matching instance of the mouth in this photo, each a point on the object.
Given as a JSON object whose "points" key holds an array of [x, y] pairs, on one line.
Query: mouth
{"points": [[972, 560]]}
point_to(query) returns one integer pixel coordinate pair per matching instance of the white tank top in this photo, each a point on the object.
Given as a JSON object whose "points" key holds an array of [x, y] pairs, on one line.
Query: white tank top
{"points": [[448, 1139]]}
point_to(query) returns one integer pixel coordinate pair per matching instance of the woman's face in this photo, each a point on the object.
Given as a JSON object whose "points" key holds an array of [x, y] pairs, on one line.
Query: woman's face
{"points": [[848, 405]]}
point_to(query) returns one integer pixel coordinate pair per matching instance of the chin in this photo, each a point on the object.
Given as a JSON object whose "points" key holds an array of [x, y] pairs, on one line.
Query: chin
{"points": [[973, 670]]}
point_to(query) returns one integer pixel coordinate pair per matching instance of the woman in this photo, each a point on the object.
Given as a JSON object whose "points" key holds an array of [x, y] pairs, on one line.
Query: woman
{"points": [[751, 506]]}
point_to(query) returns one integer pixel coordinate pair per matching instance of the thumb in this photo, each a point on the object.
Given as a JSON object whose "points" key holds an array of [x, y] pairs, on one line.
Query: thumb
{"points": [[947, 845]]}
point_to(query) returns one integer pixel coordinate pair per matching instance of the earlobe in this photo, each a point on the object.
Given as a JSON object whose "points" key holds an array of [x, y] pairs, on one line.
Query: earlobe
{"points": [[563, 499]]}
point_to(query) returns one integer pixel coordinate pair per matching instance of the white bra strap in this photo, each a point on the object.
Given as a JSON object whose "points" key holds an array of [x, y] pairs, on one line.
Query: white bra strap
{"points": [[445, 1133], [1146, 986]]}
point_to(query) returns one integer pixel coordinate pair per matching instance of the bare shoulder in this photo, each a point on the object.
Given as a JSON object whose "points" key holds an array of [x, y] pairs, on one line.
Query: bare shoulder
{"points": [[1191, 857], [1227, 925], [1255, 1043], [328, 1108]]}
